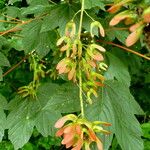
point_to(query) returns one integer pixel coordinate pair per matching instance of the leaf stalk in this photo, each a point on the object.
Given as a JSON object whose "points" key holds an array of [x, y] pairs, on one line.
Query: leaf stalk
{"points": [[80, 69]]}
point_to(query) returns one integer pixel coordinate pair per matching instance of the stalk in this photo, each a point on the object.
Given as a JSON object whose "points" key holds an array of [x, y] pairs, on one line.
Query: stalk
{"points": [[81, 19], [80, 93], [80, 72]]}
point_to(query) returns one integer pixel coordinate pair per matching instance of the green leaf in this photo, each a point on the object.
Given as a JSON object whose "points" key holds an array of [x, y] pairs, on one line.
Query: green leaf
{"points": [[119, 108], [13, 1], [45, 121], [42, 112], [46, 41], [3, 60], [20, 124], [3, 103], [59, 99], [66, 100], [38, 2], [16, 43], [31, 33], [64, 13], [121, 35], [93, 3], [1, 74], [42, 44], [117, 70], [101, 111], [13, 11], [2, 124], [36, 9], [146, 129]]}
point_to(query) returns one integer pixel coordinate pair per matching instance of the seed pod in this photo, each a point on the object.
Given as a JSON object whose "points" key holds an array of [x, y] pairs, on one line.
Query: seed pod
{"points": [[146, 15], [61, 121], [98, 56], [64, 48], [71, 73], [79, 47], [98, 25], [74, 50], [121, 16], [91, 63], [87, 145], [92, 134], [89, 97], [129, 21], [99, 84], [70, 29], [85, 88], [67, 69], [98, 47], [87, 73], [62, 69], [74, 77], [94, 54], [102, 122], [61, 63], [94, 92], [100, 129], [136, 26], [99, 76], [115, 8], [134, 36], [61, 40], [103, 66]]}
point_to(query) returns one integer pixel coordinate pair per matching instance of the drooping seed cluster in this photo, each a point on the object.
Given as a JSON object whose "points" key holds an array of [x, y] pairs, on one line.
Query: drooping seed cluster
{"points": [[138, 21], [88, 55], [78, 133]]}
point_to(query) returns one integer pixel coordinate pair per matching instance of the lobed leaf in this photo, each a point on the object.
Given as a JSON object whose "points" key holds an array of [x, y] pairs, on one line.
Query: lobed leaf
{"points": [[3, 60], [42, 112], [119, 108], [117, 70], [94, 3]]}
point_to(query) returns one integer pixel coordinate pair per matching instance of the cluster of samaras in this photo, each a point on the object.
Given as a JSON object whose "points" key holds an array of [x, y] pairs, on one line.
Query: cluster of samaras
{"points": [[137, 20], [79, 56], [79, 132]]}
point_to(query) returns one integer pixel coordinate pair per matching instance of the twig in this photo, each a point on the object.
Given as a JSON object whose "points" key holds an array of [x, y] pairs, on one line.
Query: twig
{"points": [[8, 21], [15, 66], [125, 48], [115, 28], [12, 18], [52, 2], [14, 29]]}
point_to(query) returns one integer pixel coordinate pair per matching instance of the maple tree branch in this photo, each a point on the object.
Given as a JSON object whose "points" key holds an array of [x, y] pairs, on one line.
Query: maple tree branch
{"points": [[115, 28], [125, 48], [15, 66]]}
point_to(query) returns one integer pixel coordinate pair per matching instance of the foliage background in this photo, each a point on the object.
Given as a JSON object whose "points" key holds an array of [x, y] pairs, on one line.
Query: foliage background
{"points": [[40, 34]]}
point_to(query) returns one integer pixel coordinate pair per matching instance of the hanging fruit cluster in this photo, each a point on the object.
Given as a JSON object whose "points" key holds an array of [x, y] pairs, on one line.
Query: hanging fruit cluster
{"points": [[38, 72], [79, 132], [137, 20], [88, 54]]}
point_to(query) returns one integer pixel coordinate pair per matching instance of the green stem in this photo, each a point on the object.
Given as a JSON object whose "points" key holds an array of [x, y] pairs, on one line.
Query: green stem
{"points": [[89, 16], [80, 92], [75, 14], [81, 19], [80, 69]]}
